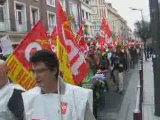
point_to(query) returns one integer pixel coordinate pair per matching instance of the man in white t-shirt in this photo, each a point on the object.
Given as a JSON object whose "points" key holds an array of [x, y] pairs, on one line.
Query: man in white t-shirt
{"points": [[53, 99], [11, 105]]}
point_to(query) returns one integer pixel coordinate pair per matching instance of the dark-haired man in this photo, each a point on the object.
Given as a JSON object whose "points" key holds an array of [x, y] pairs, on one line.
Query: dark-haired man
{"points": [[53, 98]]}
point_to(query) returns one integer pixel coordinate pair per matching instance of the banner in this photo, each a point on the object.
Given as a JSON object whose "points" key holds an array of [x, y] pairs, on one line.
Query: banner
{"points": [[105, 28], [76, 60], [18, 62], [6, 45], [62, 55], [65, 69], [81, 42]]}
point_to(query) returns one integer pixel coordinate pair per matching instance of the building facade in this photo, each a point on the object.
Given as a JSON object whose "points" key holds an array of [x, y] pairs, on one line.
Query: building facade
{"points": [[99, 10], [17, 17], [73, 13], [117, 24], [85, 15]]}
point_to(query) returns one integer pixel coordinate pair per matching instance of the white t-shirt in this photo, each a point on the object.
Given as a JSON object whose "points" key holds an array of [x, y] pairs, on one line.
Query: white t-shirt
{"points": [[72, 104], [5, 95]]}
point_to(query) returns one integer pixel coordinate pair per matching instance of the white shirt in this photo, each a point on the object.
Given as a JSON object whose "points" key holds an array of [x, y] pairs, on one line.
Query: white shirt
{"points": [[5, 94], [48, 106]]}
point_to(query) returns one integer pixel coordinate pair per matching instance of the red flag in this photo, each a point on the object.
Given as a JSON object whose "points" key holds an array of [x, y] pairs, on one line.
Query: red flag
{"points": [[53, 39], [18, 62], [36, 39], [105, 28], [77, 61], [54, 35], [101, 42], [81, 42]]}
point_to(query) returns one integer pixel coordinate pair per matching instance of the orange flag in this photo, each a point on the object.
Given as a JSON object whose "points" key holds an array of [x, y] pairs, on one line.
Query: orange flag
{"points": [[77, 63], [18, 62]]}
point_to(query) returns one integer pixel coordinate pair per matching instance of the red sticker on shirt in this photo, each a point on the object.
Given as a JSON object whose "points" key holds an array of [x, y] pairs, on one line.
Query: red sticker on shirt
{"points": [[63, 108]]}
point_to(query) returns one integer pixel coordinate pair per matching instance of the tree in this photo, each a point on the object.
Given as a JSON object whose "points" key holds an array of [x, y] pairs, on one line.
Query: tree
{"points": [[143, 30]]}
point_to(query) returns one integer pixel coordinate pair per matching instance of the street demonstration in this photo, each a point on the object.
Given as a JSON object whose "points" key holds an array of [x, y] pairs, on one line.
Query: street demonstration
{"points": [[63, 75]]}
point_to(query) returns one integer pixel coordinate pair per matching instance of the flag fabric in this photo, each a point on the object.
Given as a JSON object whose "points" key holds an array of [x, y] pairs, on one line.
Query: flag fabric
{"points": [[104, 34], [53, 39], [76, 61], [105, 29], [101, 41], [64, 67], [18, 62], [6, 45], [81, 42]]}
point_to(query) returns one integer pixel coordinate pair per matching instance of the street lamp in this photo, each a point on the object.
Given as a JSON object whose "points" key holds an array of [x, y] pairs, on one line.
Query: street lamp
{"points": [[140, 10]]}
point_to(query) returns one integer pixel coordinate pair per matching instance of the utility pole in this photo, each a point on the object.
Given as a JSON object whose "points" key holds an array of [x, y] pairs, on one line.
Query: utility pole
{"points": [[155, 28]]}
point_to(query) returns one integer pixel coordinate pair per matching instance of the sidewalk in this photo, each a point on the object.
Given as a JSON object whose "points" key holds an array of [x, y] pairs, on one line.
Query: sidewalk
{"points": [[129, 101], [148, 103]]}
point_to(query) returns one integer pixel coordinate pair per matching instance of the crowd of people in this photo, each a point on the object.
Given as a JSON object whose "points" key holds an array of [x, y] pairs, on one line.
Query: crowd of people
{"points": [[112, 62], [148, 51], [53, 95], [108, 65]]}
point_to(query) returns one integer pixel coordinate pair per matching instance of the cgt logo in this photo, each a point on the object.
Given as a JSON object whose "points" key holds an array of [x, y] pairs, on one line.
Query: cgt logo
{"points": [[63, 108], [32, 48]]}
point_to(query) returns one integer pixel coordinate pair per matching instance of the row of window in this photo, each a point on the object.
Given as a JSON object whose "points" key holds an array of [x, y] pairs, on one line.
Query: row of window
{"points": [[101, 2], [50, 2], [20, 15], [86, 15], [94, 2], [102, 12]]}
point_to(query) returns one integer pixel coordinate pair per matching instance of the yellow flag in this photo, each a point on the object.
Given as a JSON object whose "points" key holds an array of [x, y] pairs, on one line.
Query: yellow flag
{"points": [[64, 62]]}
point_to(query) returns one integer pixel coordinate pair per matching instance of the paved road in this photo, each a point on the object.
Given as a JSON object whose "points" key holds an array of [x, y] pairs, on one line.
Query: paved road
{"points": [[120, 107]]}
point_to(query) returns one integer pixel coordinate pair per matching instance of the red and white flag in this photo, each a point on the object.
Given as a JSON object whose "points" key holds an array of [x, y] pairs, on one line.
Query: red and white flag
{"points": [[77, 62], [105, 29], [53, 39], [81, 42], [18, 62]]}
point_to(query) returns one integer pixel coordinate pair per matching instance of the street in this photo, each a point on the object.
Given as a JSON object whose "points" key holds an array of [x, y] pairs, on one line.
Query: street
{"points": [[120, 107]]}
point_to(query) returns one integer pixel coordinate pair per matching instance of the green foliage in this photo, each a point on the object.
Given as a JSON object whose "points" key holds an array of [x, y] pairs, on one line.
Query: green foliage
{"points": [[143, 30]]}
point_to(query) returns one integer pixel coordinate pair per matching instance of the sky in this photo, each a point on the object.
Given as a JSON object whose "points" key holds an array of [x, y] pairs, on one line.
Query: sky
{"points": [[131, 16]]}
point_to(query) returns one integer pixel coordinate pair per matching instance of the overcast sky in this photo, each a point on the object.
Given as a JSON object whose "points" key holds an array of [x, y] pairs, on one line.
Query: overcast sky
{"points": [[122, 6]]}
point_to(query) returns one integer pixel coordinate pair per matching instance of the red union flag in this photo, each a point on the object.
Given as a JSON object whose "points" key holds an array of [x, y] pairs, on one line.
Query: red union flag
{"points": [[105, 29], [77, 63], [101, 41], [18, 62], [53, 39], [80, 41]]}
